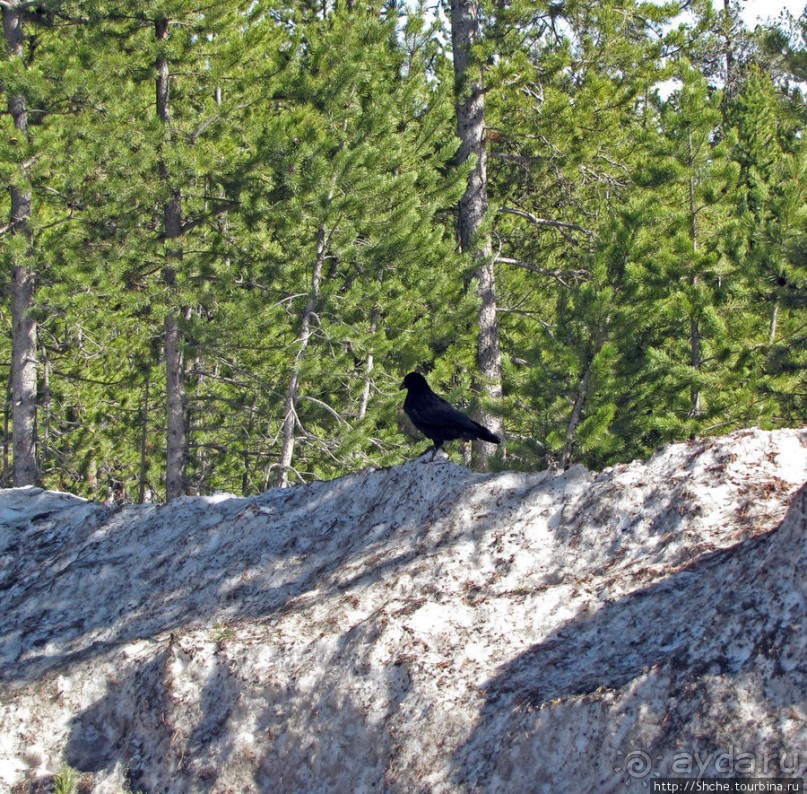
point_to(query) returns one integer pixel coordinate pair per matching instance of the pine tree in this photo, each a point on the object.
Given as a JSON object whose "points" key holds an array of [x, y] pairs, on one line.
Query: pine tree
{"points": [[43, 84], [244, 218], [296, 144], [473, 239], [767, 152], [350, 182], [684, 280], [785, 364], [579, 78], [17, 82], [160, 188]]}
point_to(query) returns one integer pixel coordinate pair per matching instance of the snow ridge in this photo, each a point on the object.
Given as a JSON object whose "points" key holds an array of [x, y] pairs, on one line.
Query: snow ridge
{"points": [[420, 628]]}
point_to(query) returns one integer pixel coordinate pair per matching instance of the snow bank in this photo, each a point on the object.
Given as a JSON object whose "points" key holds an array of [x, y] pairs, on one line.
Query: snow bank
{"points": [[421, 628]]}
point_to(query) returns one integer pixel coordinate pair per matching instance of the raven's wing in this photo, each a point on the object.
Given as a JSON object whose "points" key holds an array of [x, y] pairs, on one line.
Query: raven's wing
{"points": [[437, 419]]}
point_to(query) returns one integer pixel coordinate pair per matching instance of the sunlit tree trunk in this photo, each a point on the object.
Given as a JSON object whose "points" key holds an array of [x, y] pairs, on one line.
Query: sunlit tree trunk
{"points": [[290, 421], [470, 102], [24, 330], [695, 356], [369, 365], [577, 415], [176, 451]]}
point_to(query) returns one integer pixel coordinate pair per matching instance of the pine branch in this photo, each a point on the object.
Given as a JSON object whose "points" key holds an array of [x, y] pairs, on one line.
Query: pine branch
{"points": [[521, 159], [560, 276], [546, 221], [327, 407]]}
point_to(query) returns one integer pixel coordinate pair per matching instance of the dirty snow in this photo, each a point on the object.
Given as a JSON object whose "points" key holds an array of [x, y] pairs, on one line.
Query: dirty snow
{"points": [[416, 629]]}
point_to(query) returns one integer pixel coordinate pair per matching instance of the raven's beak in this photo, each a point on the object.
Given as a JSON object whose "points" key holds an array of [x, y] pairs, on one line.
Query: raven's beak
{"points": [[402, 386]]}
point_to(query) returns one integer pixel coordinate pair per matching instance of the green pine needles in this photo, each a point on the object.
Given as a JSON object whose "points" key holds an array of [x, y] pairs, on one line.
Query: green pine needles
{"points": [[230, 229]]}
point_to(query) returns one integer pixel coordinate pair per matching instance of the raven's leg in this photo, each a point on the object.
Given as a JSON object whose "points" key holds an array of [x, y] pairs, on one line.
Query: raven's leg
{"points": [[437, 445]]}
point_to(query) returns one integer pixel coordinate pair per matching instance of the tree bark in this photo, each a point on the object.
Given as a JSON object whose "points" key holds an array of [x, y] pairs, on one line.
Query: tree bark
{"points": [[281, 479], [470, 101], [23, 376], [577, 414], [246, 475], [369, 364], [583, 387], [4, 480], [24, 330], [695, 356], [177, 412], [177, 451], [144, 425], [773, 324]]}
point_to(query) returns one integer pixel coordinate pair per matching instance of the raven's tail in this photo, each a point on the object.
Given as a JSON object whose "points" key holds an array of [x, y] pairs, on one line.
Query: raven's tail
{"points": [[484, 434]]}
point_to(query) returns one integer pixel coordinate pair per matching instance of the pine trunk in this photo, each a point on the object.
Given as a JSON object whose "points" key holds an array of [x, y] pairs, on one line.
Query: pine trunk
{"points": [[773, 324], [176, 408], [246, 475], [23, 376], [281, 479], [177, 450], [470, 102], [144, 438], [695, 357], [473, 208], [369, 364], [4, 480], [583, 388], [577, 415], [24, 330]]}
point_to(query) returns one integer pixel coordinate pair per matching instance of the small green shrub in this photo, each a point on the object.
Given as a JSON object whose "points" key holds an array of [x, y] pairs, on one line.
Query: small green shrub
{"points": [[66, 782]]}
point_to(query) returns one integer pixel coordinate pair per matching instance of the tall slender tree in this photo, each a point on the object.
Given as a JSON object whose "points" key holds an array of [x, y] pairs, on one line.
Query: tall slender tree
{"points": [[177, 452], [263, 233], [473, 206], [164, 181], [353, 172], [21, 252], [568, 101]]}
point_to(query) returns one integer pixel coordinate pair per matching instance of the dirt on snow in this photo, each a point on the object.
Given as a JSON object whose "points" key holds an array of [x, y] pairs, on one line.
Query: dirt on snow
{"points": [[416, 629]]}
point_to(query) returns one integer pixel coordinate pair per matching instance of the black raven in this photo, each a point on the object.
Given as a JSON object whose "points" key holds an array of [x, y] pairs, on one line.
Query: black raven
{"points": [[436, 418]]}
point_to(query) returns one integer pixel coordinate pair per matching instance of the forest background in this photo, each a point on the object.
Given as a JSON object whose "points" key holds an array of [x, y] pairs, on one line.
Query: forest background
{"points": [[229, 229]]}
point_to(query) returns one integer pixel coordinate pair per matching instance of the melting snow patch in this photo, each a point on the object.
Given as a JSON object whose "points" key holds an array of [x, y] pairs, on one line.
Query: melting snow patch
{"points": [[421, 628]]}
